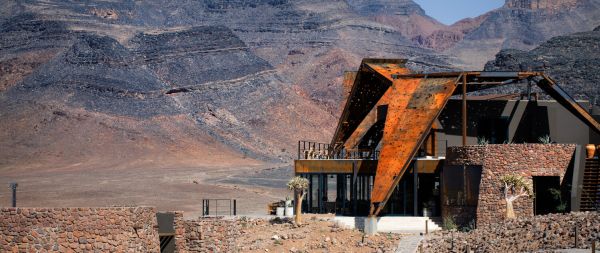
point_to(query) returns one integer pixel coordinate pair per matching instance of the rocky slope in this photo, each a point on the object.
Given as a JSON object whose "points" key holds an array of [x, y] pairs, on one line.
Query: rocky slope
{"points": [[572, 60], [524, 24], [179, 81], [249, 78]]}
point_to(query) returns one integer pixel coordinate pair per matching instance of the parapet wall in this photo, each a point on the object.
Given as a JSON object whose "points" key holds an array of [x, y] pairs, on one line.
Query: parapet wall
{"points": [[119, 229], [497, 160]]}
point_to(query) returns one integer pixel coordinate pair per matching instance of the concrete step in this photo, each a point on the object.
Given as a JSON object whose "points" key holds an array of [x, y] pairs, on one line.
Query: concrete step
{"points": [[400, 224]]}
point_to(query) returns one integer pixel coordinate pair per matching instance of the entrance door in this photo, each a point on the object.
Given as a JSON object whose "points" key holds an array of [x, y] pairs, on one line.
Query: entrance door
{"points": [[548, 197]]}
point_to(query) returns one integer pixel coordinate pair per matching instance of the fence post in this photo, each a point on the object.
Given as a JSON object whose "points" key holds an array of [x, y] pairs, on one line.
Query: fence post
{"points": [[452, 241], [576, 242], [426, 226], [594, 246], [234, 207]]}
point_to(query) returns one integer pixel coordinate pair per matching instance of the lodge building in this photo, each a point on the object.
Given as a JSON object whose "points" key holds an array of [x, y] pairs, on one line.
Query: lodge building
{"points": [[420, 145]]}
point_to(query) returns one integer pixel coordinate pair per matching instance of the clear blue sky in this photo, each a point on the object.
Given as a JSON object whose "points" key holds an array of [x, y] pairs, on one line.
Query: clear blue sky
{"points": [[450, 11]]}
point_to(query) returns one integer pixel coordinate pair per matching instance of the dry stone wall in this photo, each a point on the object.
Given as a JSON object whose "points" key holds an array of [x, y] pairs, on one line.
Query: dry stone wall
{"points": [[213, 234], [527, 234], [121, 229], [526, 160]]}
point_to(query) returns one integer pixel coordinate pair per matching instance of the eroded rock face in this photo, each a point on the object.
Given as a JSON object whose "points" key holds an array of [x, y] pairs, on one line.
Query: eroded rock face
{"points": [[523, 25], [255, 76], [571, 60]]}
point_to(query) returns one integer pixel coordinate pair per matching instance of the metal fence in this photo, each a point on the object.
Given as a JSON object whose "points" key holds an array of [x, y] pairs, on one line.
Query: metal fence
{"points": [[219, 207]]}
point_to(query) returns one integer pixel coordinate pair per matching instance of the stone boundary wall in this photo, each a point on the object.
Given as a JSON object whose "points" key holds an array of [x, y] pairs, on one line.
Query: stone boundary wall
{"points": [[497, 160], [531, 234], [119, 229], [211, 234], [179, 226], [205, 234]]}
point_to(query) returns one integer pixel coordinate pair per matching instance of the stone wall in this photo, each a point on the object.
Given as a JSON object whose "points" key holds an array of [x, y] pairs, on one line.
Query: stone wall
{"points": [[497, 160], [126, 229], [211, 234], [179, 226], [529, 234]]}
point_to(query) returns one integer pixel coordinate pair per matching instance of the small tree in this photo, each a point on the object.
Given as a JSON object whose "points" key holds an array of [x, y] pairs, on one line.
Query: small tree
{"points": [[514, 188], [298, 185]]}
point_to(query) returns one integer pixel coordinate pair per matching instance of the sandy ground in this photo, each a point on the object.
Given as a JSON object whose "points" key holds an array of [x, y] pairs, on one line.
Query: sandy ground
{"points": [[317, 234], [169, 189]]}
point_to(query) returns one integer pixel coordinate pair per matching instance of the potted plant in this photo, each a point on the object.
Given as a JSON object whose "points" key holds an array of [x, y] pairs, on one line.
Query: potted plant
{"points": [[289, 209], [591, 149], [280, 211], [426, 209]]}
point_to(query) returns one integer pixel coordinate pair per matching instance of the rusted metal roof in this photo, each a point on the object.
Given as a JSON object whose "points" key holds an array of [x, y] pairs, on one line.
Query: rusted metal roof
{"points": [[416, 104], [412, 103]]}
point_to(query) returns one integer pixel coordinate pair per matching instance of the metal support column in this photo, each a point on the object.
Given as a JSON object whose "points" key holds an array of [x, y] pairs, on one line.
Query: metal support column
{"points": [[464, 109], [415, 189], [353, 189]]}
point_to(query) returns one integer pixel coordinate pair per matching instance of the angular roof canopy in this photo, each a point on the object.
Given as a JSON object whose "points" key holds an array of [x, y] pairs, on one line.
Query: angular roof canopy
{"points": [[394, 109]]}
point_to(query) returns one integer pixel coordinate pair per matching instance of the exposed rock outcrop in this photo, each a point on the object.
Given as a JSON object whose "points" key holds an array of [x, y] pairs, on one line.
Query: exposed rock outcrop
{"points": [[572, 60]]}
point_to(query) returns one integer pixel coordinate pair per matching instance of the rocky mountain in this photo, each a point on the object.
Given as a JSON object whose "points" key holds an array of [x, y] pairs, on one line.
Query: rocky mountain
{"points": [[183, 82], [178, 82], [523, 24], [572, 60]]}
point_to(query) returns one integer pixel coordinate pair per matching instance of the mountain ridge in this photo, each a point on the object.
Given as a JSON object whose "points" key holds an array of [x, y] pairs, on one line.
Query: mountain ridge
{"points": [[249, 85]]}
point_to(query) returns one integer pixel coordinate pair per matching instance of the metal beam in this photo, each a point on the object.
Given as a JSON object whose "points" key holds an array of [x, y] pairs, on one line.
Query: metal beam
{"points": [[556, 92]]}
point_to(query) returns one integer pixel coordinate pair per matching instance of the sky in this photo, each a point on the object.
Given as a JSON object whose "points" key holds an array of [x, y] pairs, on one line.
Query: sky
{"points": [[450, 11]]}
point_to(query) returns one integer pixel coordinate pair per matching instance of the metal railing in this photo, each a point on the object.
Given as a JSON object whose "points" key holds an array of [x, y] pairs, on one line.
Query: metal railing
{"points": [[308, 150], [216, 207], [322, 151]]}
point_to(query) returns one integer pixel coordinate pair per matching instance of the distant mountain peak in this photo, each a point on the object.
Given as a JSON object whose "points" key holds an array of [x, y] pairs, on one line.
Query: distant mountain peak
{"points": [[379, 7], [541, 4]]}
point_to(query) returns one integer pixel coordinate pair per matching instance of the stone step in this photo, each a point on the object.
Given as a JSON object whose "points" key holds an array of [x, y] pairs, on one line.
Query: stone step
{"points": [[401, 224]]}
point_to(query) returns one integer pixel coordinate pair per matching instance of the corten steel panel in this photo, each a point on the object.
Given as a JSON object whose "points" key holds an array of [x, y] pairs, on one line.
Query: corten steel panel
{"points": [[367, 89], [367, 123], [415, 105], [349, 77], [335, 166], [556, 92]]}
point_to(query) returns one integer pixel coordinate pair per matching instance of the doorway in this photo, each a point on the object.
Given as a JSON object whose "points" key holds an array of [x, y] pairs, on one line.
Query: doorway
{"points": [[548, 197]]}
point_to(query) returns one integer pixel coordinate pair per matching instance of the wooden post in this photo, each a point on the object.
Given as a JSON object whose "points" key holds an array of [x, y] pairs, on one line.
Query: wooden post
{"points": [[464, 109], [593, 246], [426, 226]]}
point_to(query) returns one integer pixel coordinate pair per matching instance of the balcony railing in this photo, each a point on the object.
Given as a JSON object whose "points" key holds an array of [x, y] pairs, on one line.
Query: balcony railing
{"points": [[308, 150], [321, 151]]}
